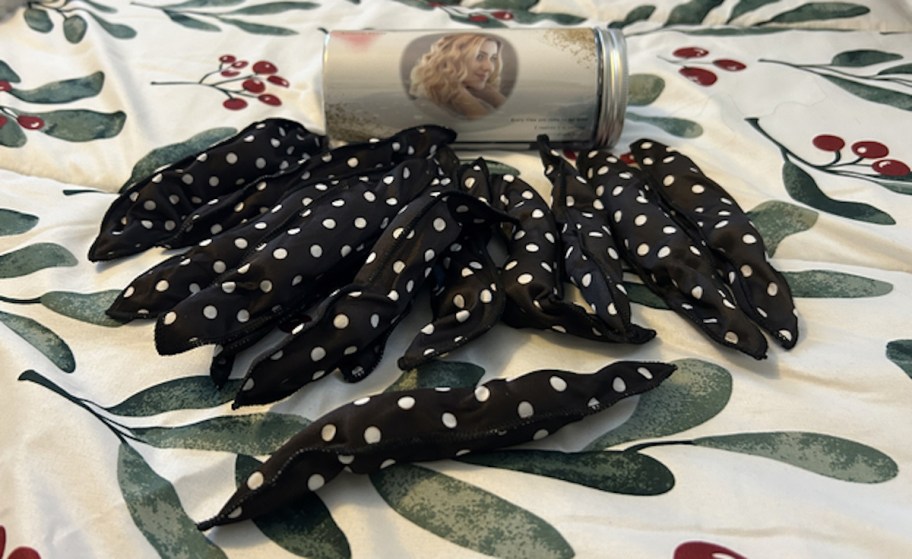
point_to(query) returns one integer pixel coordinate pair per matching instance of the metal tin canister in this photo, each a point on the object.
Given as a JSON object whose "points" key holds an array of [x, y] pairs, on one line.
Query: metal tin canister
{"points": [[495, 88]]}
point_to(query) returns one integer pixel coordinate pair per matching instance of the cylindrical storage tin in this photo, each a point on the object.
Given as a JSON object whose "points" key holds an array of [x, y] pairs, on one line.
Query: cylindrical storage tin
{"points": [[499, 89]]}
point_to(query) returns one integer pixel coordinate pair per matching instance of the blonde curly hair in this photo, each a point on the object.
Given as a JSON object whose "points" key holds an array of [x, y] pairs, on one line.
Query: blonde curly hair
{"points": [[439, 74]]}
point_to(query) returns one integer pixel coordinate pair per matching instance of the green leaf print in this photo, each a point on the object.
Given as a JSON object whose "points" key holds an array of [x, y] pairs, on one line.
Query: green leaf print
{"points": [[304, 528], [186, 393], [171, 153], [826, 455], [35, 257], [156, 510], [776, 220], [694, 394], [270, 8], [815, 11], [8, 74], [636, 15], [38, 20], [87, 307], [642, 295], [679, 127], [41, 338], [747, 6], [116, 30], [15, 223], [74, 28], [881, 95], [81, 125], [202, 4], [64, 91], [467, 515], [454, 374], [692, 12], [254, 434], [644, 89], [191, 22], [802, 187], [11, 135], [899, 69], [258, 28], [819, 284], [623, 472], [900, 353], [863, 57]]}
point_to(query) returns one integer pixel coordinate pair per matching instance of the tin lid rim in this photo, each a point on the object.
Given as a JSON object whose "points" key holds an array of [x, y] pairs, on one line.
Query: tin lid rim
{"points": [[614, 84]]}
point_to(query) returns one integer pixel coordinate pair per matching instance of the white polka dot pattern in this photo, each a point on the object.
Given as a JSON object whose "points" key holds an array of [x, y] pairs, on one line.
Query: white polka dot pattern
{"points": [[431, 424], [532, 280], [383, 288], [148, 212], [467, 295], [667, 259], [728, 232], [591, 258]]}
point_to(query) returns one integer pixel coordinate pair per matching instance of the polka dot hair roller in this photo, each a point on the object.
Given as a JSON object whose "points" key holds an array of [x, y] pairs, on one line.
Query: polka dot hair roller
{"points": [[668, 260], [152, 210], [283, 273], [368, 161], [467, 298], [761, 291], [432, 424], [532, 276], [348, 331], [591, 258]]}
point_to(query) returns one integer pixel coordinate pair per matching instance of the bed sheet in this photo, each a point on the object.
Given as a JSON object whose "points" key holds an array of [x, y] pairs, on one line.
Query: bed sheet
{"points": [[800, 109]]}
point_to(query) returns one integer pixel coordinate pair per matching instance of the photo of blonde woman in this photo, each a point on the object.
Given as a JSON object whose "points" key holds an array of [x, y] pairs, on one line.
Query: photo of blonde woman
{"points": [[461, 73]]}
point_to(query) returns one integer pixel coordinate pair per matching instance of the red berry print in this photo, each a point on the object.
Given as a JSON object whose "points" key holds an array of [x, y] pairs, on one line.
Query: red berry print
{"points": [[729, 64], [254, 85], [30, 122], [502, 15], [690, 52], [828, 142], [870, 150], [264, 67], [891, 168], [5, 86], [704, 550], [699, 76], [21, 552], [240, 81], [270, 99], [3, 121], [234, 104], [478, 18]]}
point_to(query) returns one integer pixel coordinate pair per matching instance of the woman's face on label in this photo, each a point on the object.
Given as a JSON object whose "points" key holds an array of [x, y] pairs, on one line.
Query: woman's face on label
{"points": [[482, 65]]}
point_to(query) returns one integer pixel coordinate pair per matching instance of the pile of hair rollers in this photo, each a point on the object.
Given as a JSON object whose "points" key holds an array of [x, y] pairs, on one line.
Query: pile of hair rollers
{"points": [[322, 251]]}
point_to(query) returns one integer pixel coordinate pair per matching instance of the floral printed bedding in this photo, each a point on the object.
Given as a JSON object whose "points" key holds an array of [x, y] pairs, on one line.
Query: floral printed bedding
{"points": [[800, 110]]}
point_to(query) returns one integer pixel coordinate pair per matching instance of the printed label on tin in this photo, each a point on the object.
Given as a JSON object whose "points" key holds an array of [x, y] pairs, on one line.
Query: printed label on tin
{"points": [[491, 87]]}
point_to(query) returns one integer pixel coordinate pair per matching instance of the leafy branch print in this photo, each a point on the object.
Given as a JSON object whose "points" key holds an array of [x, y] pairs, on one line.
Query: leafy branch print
{"points": [[206, 15], [74, 17], [886, 83], [433, 500], [495, 13], [692, 13], [85, 307], [868, 162], [72, 125]]}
